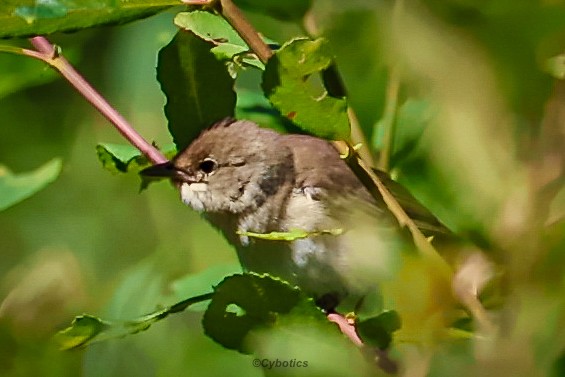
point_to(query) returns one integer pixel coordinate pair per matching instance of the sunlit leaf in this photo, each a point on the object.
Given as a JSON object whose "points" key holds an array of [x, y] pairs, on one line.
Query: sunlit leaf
{"points": [[82, 330], [124, 158], [293, 234], [213, 28], [29, 17], [285, 83]]}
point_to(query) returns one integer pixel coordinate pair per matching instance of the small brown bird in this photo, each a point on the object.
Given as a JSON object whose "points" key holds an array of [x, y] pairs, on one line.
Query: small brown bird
{"points": [[249, 181]]}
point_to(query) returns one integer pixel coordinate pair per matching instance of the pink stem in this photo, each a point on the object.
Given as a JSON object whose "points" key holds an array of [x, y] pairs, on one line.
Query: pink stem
{"points": [[75, 79], [346, 328]]}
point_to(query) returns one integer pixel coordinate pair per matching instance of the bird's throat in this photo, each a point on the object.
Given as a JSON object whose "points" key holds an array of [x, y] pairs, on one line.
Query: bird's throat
{"points": [[190, 195]]}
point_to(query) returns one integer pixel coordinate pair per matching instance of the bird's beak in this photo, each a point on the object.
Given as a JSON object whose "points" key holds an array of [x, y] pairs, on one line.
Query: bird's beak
{"points": [[166, 170]]}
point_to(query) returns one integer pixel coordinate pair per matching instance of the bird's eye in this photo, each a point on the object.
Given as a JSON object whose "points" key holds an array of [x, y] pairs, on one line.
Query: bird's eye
{"points": [[207, 166]]}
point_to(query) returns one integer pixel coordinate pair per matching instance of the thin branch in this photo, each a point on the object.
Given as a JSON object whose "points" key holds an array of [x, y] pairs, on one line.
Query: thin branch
{"points": [[346, 328], [358, 137], [374, 355], [21, 51], [42, 45], [246, 31], [50, 55]]}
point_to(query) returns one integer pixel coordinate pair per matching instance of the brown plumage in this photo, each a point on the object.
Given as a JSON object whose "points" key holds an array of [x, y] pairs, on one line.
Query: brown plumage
{"points": [[244, 178]]}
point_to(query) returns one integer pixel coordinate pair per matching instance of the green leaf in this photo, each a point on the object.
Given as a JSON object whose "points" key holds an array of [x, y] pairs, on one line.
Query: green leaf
{"points": [[28, 17], [293, 234], [213, 28], [203, 282], [245, 302], [15, 188], [227, 51], [286, 85], [124, 158], [82, 330], [377, 331], [117, 158], [198, 87], [87, 329], [233, 53], [289, 10]]}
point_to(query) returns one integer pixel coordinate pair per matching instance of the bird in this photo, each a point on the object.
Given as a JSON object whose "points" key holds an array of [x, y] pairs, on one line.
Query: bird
{"points": [[250, 182]]}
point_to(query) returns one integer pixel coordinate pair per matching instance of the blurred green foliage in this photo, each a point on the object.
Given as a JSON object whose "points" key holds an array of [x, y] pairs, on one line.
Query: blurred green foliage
{"points": [[479, 138], [15, 188]]}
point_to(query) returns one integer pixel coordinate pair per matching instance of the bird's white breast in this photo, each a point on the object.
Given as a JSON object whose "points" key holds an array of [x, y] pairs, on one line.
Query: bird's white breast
{"points": [[305, 213]]}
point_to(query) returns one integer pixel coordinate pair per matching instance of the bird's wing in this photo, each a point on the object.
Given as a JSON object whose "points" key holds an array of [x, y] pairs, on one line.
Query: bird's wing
{"points": [[422, 217], [320, 171], [323, 177]]}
